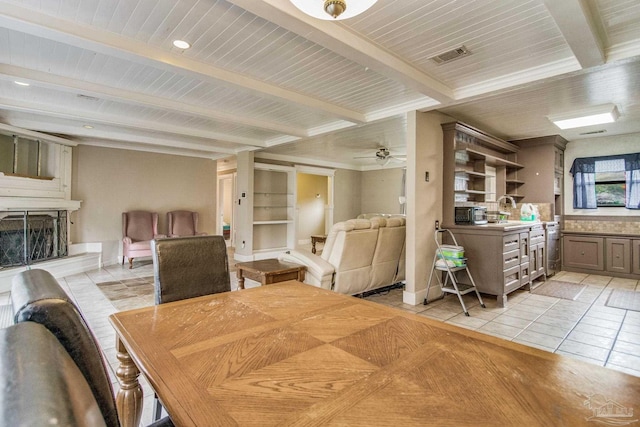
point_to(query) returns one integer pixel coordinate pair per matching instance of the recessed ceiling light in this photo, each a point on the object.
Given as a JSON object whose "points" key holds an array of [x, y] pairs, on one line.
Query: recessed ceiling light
{"points": [[87, 127], [181, 44], [588, 117], [19, 83]]}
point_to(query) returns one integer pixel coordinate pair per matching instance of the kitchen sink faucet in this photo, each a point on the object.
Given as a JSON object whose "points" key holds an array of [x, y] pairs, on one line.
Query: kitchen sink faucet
{"points": [[513, 202]]}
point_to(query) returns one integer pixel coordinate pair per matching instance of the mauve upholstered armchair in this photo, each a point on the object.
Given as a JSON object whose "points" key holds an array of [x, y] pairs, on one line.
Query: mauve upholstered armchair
{"points": [[183, 224], [138, 229]]}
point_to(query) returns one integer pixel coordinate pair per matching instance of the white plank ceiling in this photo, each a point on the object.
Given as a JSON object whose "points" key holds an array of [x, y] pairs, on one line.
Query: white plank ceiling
{"points": [[262, 76]]}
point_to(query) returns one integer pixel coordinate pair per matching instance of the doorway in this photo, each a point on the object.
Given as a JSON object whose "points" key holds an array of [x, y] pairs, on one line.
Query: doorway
{"points": [[314, 203], [225, 223]]}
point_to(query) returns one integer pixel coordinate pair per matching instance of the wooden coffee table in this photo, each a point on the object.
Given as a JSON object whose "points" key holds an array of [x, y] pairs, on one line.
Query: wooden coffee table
{"points": [[269, 271]]}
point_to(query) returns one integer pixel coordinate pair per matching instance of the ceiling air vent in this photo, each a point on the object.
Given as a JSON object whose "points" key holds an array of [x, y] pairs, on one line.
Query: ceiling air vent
{"points": [[594, 132], [451, 55], [87, 97]]}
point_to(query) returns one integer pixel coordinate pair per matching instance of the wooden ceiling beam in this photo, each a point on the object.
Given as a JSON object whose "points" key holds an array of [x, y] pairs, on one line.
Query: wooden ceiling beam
{"points": [[28, 21]]}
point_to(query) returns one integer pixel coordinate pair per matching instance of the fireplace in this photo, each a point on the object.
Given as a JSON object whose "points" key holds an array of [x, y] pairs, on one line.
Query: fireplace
{"points": [[29, 237]]}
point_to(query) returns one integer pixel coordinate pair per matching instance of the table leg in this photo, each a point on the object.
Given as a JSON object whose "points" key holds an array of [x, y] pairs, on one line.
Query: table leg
{"points": [[129, 397], [313, 245], [240, 278]]}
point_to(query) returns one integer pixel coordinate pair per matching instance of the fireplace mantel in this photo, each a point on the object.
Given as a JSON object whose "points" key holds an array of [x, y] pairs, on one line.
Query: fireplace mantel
{"points": [[13, 204]]}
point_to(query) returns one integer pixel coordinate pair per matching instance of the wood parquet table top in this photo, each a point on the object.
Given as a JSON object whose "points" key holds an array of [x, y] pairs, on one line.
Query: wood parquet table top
{"points": [[294, 354]]}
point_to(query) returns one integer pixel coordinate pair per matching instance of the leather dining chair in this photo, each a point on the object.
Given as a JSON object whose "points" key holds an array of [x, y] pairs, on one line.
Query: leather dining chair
{"points": [[188, 267], [138, 229], [36, 296], [182, 224]]}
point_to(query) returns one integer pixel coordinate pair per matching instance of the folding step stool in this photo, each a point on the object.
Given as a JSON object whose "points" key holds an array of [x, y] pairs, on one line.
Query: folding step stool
{"points": [[446, 260]]}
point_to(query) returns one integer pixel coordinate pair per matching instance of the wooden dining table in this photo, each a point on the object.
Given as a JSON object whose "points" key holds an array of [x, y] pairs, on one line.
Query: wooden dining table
{"points": [[291, 354]]}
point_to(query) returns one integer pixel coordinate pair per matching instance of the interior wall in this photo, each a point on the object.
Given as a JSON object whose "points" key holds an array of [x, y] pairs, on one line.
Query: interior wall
{"points": [[347, 198], [381, 190], [602, 146], [424, 199], [111, 181], [312, 197]]}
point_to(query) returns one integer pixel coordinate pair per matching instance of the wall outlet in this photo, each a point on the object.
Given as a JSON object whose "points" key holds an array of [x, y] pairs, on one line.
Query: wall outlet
{"points": [[437, 225]]}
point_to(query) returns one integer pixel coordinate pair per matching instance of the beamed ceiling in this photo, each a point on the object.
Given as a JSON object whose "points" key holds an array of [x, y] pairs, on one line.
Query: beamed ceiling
{"points": [[262, 76]]}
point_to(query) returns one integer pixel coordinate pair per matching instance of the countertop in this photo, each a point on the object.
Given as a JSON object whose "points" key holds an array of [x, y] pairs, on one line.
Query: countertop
{"points": [[504, 226]]}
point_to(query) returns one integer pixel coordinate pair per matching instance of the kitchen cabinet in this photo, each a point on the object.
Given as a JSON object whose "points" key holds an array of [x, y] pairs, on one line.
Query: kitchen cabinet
{"points": [[635, 256], [618, 255], [543, 170], [614, 254], [502, 257], [537, 252], [467, 152], [583, 252]]}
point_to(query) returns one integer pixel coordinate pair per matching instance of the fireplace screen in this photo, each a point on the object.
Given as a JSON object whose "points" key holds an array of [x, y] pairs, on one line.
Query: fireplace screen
{"points": [[30, 237]]}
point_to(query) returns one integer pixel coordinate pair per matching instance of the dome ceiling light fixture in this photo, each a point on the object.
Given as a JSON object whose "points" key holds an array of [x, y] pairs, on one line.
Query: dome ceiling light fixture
{"points": [[333, 9]]}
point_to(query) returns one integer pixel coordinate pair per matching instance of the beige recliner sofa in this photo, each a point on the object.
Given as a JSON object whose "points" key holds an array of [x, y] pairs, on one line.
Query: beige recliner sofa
{"points": [[359, 255]]}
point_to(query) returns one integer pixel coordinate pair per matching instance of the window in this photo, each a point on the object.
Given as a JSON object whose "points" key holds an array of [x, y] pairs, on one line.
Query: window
{"points": [[610, 183], [606, 181]]}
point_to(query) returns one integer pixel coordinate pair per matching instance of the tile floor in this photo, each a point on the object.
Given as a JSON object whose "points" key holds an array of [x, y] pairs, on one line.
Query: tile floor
{"points": [[585, 329]]}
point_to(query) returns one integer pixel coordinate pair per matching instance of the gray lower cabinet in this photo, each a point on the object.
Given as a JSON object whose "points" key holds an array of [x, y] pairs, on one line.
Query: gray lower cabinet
{"points": [[502, 259], [610, 254], [618, 257], [583, 252], [635, 258]]}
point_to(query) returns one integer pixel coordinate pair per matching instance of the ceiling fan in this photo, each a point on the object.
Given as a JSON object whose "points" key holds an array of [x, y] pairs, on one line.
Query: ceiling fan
{"points": [[383, 157]]}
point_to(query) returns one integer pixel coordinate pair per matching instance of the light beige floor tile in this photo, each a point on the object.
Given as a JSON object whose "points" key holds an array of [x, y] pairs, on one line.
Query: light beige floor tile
{"points": [[467, 321], [596, 280], [531, 307], [620, 283], [518, 312], [572, 277], [534, 345], [591, 339], [610, 316], [629, 361], [630, 337], [586, 350], [483, 313], [553, 321], [544, 340], [609, 324], [628, 348], [555, 331], [436, 313], [507, 331], [517, 322], [596, 330]]}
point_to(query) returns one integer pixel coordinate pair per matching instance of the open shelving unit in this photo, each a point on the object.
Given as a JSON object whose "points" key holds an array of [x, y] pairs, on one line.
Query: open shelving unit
{"points": [[273, 209], [478, 167]]}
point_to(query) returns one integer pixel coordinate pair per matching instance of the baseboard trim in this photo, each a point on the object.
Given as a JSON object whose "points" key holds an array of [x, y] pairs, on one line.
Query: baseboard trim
{"points": [[62, 267]]}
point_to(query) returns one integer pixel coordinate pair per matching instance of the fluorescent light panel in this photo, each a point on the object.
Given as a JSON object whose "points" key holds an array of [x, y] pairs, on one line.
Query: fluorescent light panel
{"points": [[593, 116]]}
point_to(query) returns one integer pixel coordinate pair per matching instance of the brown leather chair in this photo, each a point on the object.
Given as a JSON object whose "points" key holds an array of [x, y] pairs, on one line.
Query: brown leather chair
{"points": [[41, 384], [183, 224], [37, 297], [189, 267]]}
